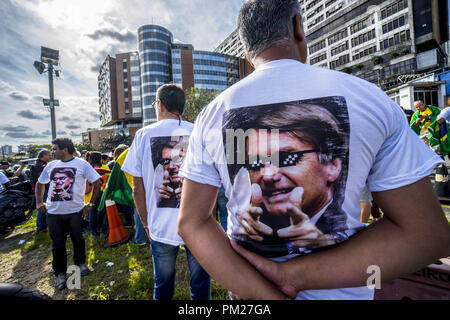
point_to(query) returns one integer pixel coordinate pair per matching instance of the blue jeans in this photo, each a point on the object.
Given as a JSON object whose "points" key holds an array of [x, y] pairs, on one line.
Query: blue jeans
{"points": [[222, 207], [140, 236], [41, 221], [164, 258], [98, 219]]}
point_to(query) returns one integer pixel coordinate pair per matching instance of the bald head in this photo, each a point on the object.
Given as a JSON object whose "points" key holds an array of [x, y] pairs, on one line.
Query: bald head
{"points": [[419, 105]]}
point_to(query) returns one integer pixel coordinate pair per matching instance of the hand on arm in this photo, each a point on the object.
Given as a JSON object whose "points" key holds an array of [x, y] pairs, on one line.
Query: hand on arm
{"points": [[411, 235], [210, 245]]}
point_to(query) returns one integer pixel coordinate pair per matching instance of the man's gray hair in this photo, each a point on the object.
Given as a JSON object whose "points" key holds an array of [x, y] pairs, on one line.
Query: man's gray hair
{"points": [[265, 23]]}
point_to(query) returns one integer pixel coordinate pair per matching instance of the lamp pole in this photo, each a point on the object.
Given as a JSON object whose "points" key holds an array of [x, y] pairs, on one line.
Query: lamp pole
{"points": [[52, 101]]}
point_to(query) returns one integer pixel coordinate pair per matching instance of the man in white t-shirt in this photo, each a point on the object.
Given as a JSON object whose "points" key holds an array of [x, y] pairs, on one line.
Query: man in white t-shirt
{"points": [[153, 160], [381, 152], [65, 205]]}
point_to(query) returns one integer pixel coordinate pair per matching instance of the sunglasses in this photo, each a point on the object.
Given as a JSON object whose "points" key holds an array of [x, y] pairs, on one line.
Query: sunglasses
{"points": [[285, 159], [176, 160]]}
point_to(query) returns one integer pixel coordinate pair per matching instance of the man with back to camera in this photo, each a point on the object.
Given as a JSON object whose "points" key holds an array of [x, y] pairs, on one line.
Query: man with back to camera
{"points": [[153, 161], [415, 233], [65, 205]]}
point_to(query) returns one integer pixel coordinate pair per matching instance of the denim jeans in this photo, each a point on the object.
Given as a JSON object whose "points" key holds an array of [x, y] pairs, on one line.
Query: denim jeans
{"points": [[164, 258], [98, 219], [41, 221], [140, 236], [222, 207]]}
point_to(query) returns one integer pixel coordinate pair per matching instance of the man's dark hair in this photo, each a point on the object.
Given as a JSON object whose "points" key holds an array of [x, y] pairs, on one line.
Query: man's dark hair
{"points": [[173, 98], [64, 143], [105, 157], [69, 172], [95, 158], [43, 153], [265, 23]]}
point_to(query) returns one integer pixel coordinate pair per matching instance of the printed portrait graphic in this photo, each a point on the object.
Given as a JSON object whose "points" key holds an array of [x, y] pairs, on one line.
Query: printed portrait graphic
{"points": [[167, 155], [288, 164], [63, 180]]}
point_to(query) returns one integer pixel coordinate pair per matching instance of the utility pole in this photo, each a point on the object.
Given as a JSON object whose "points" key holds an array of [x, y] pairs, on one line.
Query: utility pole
{"points": [[51, 58], [52, 101]]}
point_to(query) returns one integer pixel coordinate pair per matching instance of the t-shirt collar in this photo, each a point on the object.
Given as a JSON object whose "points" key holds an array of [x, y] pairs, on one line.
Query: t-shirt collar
{"points": [[278, 63]]}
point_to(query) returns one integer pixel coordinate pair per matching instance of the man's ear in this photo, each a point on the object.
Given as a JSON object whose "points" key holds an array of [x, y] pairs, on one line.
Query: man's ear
{"points": [[298, 30], [334, 169]]}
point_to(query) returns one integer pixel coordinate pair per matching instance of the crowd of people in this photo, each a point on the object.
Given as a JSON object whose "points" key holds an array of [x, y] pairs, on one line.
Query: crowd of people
{"points": [[287, 155]]}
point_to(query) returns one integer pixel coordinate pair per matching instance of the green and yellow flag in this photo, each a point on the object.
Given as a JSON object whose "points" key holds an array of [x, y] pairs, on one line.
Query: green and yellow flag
{"points": [[119, 187], [440, 137]]}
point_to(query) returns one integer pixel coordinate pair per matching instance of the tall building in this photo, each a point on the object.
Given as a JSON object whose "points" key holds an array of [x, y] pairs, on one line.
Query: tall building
{"points": [[377, 40], [155, 44], [6, 150], [120, 103]]}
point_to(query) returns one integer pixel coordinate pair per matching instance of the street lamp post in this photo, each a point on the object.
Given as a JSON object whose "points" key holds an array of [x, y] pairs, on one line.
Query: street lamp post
{"points": [[51, 57]]}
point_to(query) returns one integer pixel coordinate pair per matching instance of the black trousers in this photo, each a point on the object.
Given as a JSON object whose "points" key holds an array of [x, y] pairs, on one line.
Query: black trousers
{"points": [[59, 225]]}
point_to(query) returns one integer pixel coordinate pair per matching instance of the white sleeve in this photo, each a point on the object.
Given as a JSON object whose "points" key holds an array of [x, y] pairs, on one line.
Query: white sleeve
{"points": [[403, 157], [44, 177], [198, 165], [133, 161], [90, 174]]}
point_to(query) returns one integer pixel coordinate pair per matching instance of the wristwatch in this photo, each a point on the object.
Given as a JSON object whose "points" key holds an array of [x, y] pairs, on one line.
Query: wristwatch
{"points": [[90, 204]]}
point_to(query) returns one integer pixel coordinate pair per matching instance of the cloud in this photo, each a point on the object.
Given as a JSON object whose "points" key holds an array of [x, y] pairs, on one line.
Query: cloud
{"points": [[127, 37], [17, 95], [73, 126], [13, 128], [65, 119], [29, 115], [61, 133]]}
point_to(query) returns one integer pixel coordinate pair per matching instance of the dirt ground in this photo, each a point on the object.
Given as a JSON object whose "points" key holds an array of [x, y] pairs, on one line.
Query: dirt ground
{"points": [[30, 268]]}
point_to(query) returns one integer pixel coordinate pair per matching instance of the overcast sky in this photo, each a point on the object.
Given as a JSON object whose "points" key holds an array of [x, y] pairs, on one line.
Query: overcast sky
{"points": [[85, 32]]}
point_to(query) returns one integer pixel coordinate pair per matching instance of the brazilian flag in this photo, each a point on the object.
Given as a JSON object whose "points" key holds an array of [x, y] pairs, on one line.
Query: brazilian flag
{"points": [[439, 136], [119, 187]]}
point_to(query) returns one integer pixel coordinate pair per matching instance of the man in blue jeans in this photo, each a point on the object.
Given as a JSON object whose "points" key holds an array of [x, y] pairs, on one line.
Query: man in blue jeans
{"points": [[157, 191], [36, 169]]}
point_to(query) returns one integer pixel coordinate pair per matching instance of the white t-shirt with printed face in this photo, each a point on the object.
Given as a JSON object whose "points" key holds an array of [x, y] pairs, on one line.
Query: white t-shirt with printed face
{"points": [[67, 184], [294, 146], [156, 155]]}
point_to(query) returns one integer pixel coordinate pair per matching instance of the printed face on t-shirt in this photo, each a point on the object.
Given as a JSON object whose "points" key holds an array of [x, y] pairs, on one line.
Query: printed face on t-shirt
{"points": [[63, 181], [290, 161], [299, 166], [172, 158]]}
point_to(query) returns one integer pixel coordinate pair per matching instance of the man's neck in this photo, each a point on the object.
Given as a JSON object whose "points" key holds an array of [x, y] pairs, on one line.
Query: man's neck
{"points": [[67, 157], [278, 52], [168, 115]]}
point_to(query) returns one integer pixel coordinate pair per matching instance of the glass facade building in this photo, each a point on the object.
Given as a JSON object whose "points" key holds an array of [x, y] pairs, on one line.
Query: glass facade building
{"points": [[156, 66], [210, 70]]}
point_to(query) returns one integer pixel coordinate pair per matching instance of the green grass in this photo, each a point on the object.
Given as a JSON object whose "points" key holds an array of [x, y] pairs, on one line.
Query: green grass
{"points": [[130, 277]]}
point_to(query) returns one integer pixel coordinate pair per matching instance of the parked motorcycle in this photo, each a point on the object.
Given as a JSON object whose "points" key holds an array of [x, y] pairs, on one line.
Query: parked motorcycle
{"points": [[16, 206]]}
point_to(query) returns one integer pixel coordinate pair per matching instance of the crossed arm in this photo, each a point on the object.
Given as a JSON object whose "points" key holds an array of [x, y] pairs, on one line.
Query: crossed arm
{"points": [[413, 233]]}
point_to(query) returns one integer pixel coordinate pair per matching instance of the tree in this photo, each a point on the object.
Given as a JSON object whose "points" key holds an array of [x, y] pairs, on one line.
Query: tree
{"points": [[85, 146], [111, 142], [196, 100], [34, 150]]}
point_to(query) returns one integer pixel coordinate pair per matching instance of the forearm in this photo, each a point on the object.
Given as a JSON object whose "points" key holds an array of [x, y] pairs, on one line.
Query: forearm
{"points": [[399, 244], [96, 190], [39, 193], [211, 247]]}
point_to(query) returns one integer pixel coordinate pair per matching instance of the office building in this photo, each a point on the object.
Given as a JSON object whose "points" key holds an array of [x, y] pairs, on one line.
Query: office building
{"points": [[386, 42], [6, 150]]}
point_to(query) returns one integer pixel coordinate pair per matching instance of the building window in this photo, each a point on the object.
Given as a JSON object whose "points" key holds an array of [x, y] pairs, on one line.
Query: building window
{"points": [[318, 58], [365, 52], [361, 24], [394, 24], [337, 36], [317, 46], [396, 39], [339, 49], [393, 8], [364, 37], [340, 61]]}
